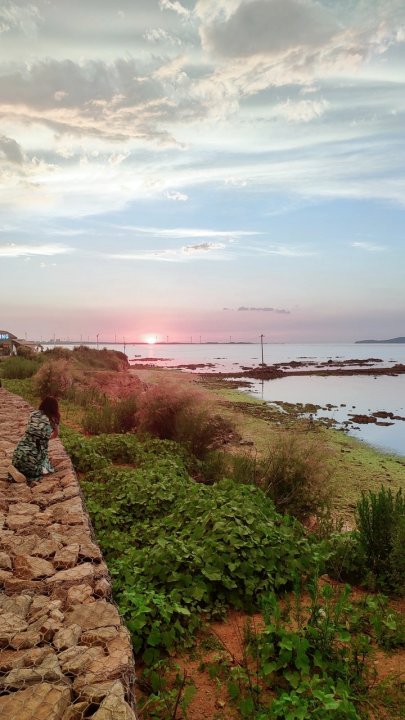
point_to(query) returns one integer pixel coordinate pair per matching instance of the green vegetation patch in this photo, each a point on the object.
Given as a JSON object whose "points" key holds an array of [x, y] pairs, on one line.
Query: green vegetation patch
{"points": [[178, 550]]}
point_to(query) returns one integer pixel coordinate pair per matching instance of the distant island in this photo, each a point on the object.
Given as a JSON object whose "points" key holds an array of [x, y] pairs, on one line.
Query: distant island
{"points": [[392, 340]]}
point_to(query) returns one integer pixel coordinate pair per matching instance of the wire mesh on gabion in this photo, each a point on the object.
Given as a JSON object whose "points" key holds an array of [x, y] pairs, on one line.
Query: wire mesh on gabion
{"points": [[64, 651]]}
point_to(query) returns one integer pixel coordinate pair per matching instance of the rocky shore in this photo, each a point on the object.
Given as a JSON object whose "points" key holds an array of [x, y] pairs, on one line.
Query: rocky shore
{"points": [[64, 651]]}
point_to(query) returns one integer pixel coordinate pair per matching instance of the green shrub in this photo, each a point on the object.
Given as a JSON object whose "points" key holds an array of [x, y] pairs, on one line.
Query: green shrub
{"points": [[305, 664], [380, 519], [175, 412], [19, 368], [176, 549], [243, 468], [54, 378], [294, 473], [104, 359], [111, 416]]}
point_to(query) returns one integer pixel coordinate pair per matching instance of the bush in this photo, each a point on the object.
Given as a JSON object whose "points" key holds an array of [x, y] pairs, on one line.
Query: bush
{"points": [[175, 412], [176, 548], [104, 359], [54, 378], [18, 368], [380, 519], [25, 351], [294, 474], [111, 416]]}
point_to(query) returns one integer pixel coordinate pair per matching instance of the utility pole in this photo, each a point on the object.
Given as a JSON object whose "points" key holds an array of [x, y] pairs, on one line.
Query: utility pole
{"points": [[124, 345], [97, 340], [261, 342]]}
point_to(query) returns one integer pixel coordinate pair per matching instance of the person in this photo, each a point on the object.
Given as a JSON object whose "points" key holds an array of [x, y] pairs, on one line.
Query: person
{"points": [[30, 456]]}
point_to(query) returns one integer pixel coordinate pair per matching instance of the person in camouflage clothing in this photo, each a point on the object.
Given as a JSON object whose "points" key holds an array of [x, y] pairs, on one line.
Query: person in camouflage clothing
{"points": [[31, 454]]}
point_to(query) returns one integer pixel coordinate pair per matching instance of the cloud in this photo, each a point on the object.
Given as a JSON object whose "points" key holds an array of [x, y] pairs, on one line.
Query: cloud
{"points": [[177, 196], [15, 251], [175, 6], [369, 247], [185, 253], [302, 110], [278, 311], [20, 16], [179, 233], [203, 247], [270, 26], [285, 251], [11, 150]]}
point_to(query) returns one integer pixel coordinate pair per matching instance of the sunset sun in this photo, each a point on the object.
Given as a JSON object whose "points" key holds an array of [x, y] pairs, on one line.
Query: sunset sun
{"points": [[151, 339]]}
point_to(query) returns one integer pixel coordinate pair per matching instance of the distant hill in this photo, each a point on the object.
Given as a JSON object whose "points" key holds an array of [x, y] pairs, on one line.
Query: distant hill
{"points": [[392, 340]]}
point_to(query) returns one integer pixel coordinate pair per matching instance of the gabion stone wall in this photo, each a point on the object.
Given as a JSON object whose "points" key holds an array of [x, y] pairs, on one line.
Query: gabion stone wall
{"points": [[64, 651]]}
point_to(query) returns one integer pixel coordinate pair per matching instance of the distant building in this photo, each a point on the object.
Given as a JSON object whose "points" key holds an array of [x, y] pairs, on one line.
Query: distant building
{"points": [[6, 342], [9, 343]]}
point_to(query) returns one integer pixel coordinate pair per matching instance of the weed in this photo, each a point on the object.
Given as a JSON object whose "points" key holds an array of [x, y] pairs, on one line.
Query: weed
{"points": [[111, 416], [174, 412], [380, 531], [54, 378], [294, 474], [19, 368]]}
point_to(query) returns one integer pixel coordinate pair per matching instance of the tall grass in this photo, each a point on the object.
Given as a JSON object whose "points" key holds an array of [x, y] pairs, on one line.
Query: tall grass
{"points": [[111, 416], [181, 413], [18, 368], [56, 378], [295, 473], [380, 519]]}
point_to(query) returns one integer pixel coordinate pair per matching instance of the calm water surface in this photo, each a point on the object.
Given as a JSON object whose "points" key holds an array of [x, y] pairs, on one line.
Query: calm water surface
{"points": [[351, 394]]}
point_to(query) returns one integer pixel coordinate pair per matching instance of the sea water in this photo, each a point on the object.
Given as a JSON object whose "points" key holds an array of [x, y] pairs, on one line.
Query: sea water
{"points": [[356, 394]]}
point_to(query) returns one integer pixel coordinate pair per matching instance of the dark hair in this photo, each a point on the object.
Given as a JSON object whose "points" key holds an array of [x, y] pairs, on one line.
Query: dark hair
{"points": [[50, 407]]}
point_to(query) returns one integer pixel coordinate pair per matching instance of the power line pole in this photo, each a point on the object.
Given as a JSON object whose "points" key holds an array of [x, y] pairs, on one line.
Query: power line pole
{"points": [[261, 342]]}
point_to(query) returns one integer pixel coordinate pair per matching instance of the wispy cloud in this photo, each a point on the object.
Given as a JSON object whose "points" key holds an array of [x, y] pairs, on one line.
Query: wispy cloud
{"points": [[369, 247], [182, 254], [183, 233], [203, 247], [177, 196], [13, 250], [286, 251], [278, 311]]}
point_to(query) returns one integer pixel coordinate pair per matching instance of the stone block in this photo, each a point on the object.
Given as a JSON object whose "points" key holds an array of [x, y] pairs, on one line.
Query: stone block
{"points": [[72, 576], [66, 557], [77, 659], [67, 637], [23, 508], [16, 475], [19, 605], [97, 615], [39, 702], [99, 636], [78, 595], [10, 659], [32, 568], [114, 706], [47, 671], [5, 561]]}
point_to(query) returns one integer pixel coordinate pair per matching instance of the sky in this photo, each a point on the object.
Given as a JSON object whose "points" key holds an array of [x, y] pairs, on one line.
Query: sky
{"points": [[202, 168]]}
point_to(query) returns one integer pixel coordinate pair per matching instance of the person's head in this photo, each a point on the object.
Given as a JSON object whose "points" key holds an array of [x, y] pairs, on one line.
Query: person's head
{"points": [[50, 407]]}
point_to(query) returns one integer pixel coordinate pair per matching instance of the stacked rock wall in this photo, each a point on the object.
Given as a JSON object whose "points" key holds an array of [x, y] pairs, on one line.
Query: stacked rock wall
{"points": [[64, 651]]}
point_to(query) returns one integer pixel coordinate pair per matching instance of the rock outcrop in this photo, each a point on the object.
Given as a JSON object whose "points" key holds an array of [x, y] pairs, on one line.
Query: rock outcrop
{"points": [[65, 653]]}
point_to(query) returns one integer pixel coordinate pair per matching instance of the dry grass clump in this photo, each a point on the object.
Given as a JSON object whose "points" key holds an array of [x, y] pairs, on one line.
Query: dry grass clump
{"points": [[171, 411], [111, 416], [56, 378], [295, 473]]}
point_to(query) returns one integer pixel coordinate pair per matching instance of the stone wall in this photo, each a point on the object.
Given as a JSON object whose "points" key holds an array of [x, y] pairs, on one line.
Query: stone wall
{"points": [[64, 651]]}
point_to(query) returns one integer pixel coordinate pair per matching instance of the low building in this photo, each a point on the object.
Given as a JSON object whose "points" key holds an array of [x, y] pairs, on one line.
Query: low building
{"points": [[10, 343], [6, 342]]}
